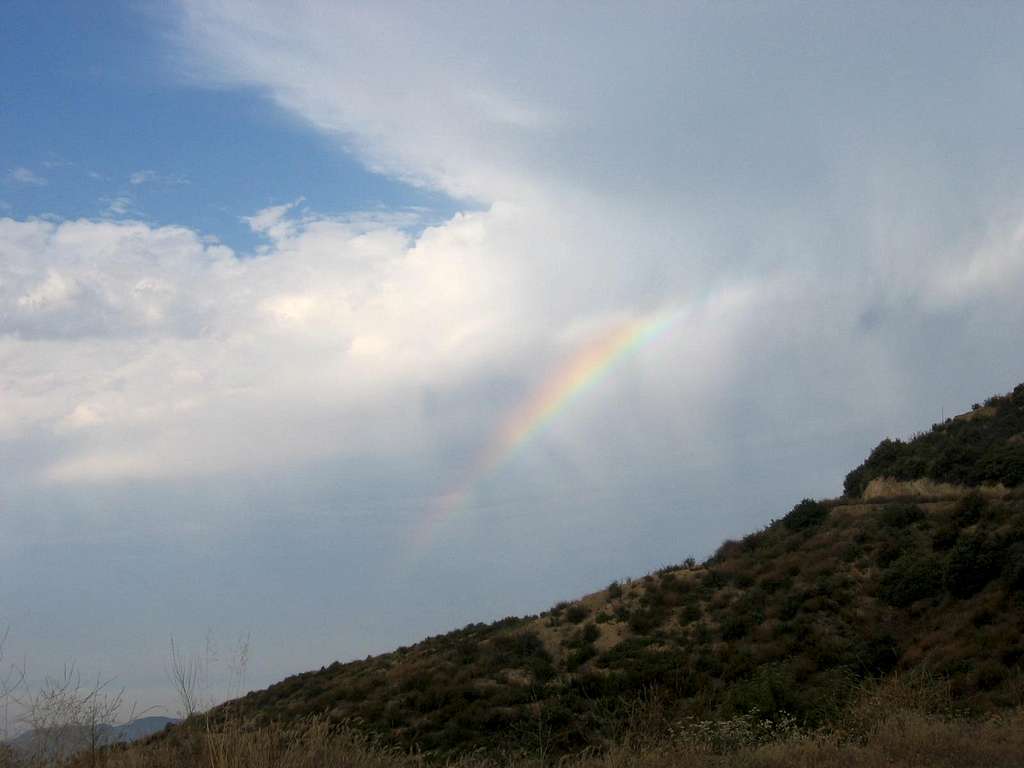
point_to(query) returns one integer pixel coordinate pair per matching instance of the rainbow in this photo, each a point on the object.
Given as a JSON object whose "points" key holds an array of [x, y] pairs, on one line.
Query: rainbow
{"points": [[588, 366]]}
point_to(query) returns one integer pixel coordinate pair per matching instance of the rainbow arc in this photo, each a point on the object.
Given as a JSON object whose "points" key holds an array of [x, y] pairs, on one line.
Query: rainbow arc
{"points": [[568, 382]]}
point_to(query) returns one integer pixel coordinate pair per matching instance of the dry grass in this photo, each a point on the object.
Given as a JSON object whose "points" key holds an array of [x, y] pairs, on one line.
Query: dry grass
{"points": [[902, 723], [887, 488], [901, 740], [905, 740]]}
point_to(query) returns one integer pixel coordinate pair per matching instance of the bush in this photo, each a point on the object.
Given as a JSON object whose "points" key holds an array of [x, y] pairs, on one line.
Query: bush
{"points": [[576, 613], [945, 536], [579, 657], [692, 613], [969, 509], [901, 515], [646, 620], [972, 563], [614, 590], [807, 514], [735, 627], [1013, 571], [911, 578], [892, 549], [989, 674]]}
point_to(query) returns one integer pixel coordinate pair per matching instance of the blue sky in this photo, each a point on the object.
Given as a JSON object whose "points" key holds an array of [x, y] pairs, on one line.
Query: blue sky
{"points": [[273, 277], [102, 125]]}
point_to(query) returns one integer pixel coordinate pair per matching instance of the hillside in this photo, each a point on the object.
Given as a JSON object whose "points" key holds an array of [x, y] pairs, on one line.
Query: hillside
{"points": [[983, 446], [791, 619]]}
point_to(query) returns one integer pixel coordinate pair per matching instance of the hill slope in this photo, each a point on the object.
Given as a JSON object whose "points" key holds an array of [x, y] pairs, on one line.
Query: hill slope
{"points": [[789, 619], [983, 446]]}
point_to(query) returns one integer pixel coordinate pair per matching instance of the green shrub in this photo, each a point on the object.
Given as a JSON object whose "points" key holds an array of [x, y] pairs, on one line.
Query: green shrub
{"points": [[911, 578], [971, 564], [892, 549], [614, 590], [690, 613], [646, 620], [735, 626], [790, 605], [945, 536], [1013, 570], [989, 674], [901, 515], [576, 613], [807, 514], [969, 509], [744, 580], [579, 657], [715, 578]]}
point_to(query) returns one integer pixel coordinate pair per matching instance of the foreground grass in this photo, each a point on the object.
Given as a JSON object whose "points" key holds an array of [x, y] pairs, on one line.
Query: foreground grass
{"points": [[895, 724]]}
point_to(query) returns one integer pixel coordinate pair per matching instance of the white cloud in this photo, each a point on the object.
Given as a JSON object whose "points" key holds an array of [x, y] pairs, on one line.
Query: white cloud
{"points": [[147, 176], [26, 176], [54, 292], [617, 177], [271, 221], [141, 177], [146, 352], [159, 335], [120, 206]]}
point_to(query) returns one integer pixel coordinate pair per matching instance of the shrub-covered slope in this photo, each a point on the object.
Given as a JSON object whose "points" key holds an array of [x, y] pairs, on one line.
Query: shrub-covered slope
{"points": [[983, 446], [790, 618]]}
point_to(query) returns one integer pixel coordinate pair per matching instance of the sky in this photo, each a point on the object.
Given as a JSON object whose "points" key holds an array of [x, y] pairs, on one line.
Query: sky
{"points": [[334, 325]]}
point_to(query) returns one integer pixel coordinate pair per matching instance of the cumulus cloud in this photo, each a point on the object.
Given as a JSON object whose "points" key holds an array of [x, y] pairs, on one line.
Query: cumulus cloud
{"points": [[161, 336], [27, 176], [120, 206], [623, 163], [147, 176], [141, 177]]}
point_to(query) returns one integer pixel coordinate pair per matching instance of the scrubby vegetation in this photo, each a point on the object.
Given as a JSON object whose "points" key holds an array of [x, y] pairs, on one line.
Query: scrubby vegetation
{"points": [[906, 722], [985, 445]]}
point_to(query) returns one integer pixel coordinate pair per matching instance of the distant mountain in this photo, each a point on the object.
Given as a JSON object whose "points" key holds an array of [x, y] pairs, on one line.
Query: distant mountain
{"points": [[140, 728], [918, 569], [71, 739]]}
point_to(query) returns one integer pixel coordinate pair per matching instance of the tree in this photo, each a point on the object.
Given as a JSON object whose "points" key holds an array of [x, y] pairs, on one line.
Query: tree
{"points": [[12, 678], [186, 674], [191, 674], [68, 717]]}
